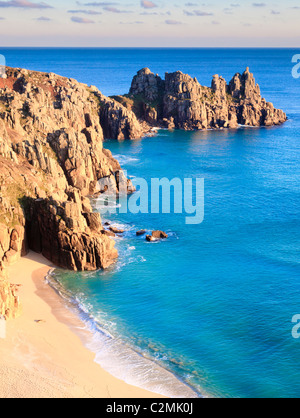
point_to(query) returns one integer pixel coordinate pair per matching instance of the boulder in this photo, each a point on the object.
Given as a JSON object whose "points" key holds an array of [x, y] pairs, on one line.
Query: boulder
{"points": [[116, 230], [141, 233], [108, 233], [156, 235], [150, 238], [159, 235]]}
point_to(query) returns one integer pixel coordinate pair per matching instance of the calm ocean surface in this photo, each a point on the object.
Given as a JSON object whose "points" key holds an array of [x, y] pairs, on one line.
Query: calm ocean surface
{"points": [[214, 303]]}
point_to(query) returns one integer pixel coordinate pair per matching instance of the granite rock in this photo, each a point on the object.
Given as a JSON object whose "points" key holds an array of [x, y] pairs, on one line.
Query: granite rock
{"points": [[181, 102]]}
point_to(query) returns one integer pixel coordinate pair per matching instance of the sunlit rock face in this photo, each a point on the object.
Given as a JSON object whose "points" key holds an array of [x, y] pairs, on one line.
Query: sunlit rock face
{"points": [[181, 102]]}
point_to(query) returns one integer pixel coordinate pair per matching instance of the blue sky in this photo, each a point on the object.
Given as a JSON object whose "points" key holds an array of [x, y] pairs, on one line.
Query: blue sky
{"points": [[186, 23]]}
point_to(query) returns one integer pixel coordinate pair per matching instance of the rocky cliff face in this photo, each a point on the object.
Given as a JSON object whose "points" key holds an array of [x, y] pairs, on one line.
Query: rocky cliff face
{"points": [[51, 159], [56, 124], [9, 301], [51, 147], [52, 156], [181, 102]]}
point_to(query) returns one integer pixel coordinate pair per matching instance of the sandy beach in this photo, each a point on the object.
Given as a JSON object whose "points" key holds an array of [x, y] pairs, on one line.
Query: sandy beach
{"points": [[41, 357]]}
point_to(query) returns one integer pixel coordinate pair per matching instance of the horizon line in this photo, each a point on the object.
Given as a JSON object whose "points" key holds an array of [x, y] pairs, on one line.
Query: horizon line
{"points": [[151, 47]]}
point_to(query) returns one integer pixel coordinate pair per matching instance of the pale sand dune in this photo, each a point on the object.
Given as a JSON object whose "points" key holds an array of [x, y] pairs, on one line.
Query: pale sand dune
{"points": [[41, 356]]}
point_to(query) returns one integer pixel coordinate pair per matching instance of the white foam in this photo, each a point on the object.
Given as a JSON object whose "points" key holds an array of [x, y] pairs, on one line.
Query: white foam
{"points": [[125, 159], [115, 356]]}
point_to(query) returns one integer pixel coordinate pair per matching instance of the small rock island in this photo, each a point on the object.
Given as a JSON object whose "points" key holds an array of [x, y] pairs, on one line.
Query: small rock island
{"points": [[181, 102]]}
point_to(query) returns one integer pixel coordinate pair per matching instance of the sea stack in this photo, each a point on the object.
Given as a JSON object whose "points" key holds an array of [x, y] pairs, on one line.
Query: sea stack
{"points": [[181, 102]]}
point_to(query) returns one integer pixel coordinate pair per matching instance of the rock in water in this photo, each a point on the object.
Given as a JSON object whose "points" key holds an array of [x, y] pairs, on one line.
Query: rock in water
{"points": [[156, 235], [181, 102], [159, 235], [150, 238], [116, 230], [141, 233]]}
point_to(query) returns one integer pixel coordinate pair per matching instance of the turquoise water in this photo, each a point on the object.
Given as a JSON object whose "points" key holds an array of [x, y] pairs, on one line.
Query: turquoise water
{"points": [[213, 303]]}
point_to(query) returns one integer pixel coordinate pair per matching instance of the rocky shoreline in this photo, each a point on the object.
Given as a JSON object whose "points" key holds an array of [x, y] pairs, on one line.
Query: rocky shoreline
{"points": [[52, 157]]}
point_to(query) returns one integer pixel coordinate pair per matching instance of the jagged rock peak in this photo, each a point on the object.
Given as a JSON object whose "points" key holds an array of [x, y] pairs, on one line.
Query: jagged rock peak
{"points": [[244, 86], [219, 86], [182, 86], [147, 85], [145, 71]]}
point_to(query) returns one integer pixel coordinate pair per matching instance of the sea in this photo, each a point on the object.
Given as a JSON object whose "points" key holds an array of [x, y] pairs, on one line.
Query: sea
{"points": [[207, 312]]}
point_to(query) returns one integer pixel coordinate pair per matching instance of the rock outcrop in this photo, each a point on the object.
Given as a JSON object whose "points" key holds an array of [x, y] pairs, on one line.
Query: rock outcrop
{"points": [[181, 102], [70, 235], [159, 235], [51, 160], [117, 121], [156, 235], [10, 306]]}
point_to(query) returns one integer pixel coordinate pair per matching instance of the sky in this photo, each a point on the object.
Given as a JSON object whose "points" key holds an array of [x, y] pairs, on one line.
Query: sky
{"points": [[150, 23]]}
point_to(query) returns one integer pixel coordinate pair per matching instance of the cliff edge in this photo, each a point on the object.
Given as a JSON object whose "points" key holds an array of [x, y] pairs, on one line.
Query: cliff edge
{"points": [[51, 160]]}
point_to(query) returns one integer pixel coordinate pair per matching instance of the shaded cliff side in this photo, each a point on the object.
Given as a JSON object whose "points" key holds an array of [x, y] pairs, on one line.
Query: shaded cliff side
{"points": [[9, 301], [181, 102], [51, 159]]}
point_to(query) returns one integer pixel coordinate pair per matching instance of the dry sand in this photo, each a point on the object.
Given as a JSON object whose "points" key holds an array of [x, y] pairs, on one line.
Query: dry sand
{"points": [[41, 357]]}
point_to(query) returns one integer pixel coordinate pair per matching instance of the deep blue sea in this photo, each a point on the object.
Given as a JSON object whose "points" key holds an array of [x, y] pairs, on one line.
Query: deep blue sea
{"points": [[213, 304]]}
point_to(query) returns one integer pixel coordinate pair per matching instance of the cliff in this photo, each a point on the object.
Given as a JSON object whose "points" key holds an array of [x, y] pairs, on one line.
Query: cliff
{"points": [[181, 102], [51, 160], [52, 157], [9, 301]]}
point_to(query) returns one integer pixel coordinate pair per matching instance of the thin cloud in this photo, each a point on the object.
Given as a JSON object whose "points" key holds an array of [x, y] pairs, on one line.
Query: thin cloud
{"points": [[149, 14], [137, 22], [85, 12], [97, 4], [115, 10], [197, 13], [43, 19], [24, 4], [147, 4], [173, 22], [83, 20]]}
